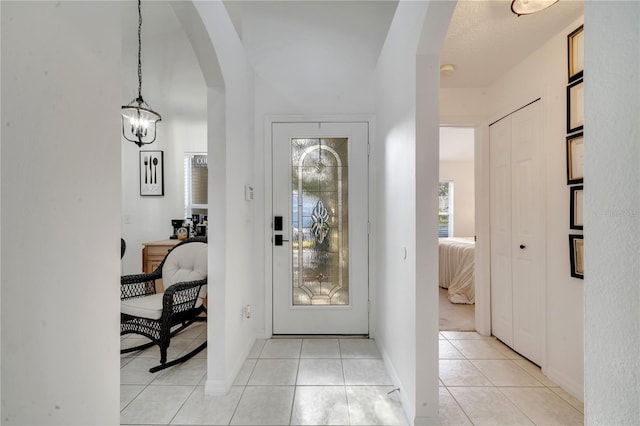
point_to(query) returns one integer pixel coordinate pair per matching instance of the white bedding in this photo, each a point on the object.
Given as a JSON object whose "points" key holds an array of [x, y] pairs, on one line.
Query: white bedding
{"points": [[457, 257]]}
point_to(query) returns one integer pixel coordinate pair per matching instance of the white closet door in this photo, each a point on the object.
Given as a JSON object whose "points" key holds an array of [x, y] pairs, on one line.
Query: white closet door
{"points": [[518, 231], [501, 287], [528, 231]]}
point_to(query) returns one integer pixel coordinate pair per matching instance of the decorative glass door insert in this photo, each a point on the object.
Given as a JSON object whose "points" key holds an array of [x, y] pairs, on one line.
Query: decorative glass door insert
{"points": [[319, 214]]}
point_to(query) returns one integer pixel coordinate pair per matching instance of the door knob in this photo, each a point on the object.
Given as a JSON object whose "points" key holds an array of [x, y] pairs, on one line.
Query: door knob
{"points": [[522, 247]]}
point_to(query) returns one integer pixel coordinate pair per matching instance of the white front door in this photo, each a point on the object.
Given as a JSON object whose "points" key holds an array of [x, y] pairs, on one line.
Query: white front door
{"points": [[320, 228]]}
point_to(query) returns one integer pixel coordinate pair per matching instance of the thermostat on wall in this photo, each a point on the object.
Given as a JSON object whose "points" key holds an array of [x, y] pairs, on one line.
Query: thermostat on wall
{"points": [[248, 192]]}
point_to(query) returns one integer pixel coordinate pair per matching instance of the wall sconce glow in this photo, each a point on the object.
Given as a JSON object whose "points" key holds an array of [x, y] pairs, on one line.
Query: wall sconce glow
{"points": [[138, 119], [527, 7]]}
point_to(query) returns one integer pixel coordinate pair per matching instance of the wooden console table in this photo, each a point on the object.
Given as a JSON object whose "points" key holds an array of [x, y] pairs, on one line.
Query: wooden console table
{"points": [[153, 253]]}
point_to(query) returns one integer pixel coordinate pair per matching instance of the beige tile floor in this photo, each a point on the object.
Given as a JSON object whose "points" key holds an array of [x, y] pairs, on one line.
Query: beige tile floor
{"points": [[483, 382], [283, 382], [339, 382]]}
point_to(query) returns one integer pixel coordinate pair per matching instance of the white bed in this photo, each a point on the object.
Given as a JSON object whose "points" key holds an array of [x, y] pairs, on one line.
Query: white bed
{"points": [[457, 257]]}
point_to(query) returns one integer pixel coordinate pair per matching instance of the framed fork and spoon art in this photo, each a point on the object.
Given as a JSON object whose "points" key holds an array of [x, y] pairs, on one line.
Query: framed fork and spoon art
{"points": [[151, 173]]}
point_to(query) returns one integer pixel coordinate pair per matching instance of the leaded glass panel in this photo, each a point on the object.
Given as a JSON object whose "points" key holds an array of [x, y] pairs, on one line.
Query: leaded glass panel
{"points": [[319, 221]]}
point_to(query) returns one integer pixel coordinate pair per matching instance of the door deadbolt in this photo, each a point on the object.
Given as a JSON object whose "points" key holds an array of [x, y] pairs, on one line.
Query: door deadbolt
{"points": [[278, 240]]}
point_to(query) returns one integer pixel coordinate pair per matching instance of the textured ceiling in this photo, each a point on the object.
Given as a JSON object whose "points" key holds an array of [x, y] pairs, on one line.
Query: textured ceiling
{"points": [[485, 38]]}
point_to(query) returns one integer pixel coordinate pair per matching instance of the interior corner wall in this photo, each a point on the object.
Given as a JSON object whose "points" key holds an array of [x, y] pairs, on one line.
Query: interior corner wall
{"points": [[395, 211], [174, 86], [289, 85], [612, 199], [232, 109], [60, 212], [545, 74], [461, 173]]}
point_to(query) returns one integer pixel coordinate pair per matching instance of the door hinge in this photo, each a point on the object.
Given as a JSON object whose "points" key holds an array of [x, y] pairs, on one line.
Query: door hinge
{"points": [[368, 228], [368, 149]]}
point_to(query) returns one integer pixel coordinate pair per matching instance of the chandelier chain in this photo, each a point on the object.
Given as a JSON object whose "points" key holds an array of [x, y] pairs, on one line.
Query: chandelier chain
{"points": [[139, 52]]}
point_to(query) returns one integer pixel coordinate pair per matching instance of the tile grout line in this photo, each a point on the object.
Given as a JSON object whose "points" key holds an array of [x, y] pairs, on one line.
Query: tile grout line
{"points": [[344, 380], [295, 383]]}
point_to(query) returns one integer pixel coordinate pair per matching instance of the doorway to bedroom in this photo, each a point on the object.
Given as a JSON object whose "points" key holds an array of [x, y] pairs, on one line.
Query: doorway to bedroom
{"points": [[456, 201]]}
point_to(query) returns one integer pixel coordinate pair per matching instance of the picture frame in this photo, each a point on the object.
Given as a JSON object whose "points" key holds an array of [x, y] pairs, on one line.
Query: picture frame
{"points": [[575, 106], [575, 52], [575, 158], [151, 173], [576, 253], [577, 208]]}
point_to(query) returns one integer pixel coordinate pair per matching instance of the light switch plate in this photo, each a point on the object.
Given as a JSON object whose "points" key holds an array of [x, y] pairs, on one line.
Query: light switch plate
{"points": [[248, 192]]}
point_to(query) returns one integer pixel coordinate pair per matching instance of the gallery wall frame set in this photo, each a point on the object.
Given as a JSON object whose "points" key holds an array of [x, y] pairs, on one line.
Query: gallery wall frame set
{"points": [[575, 148], [151, 173]]}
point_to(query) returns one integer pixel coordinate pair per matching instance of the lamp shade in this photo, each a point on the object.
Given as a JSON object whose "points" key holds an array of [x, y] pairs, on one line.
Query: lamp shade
{"points": [[526, 7]]}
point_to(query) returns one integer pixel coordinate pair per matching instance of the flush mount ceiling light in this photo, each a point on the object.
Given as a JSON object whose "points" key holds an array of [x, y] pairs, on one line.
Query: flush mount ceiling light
{"points": [[447, 69], [527, 7], [138, 119]]}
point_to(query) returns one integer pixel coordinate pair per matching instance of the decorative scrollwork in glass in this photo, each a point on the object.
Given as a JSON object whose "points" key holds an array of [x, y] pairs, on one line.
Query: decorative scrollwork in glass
{"points": [[320, 226]]}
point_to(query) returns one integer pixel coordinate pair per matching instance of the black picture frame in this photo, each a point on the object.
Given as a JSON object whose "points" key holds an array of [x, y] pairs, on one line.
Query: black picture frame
{"points": [[151, 173], [577, 207], [575, 158], [576, 253], [575, 54], [575, 106]]}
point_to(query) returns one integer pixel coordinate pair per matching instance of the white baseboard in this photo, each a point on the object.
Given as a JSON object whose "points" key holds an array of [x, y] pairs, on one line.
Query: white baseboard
{"points": [[574, 388], [222, 387], [427, 421], [396, 383]]}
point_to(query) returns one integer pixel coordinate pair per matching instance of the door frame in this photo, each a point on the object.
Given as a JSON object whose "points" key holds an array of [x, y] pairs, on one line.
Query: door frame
{"points": [[268, 206], [481, 219]]}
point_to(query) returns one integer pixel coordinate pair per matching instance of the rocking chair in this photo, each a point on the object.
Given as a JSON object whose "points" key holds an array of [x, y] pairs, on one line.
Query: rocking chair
{"points": [[160, 316]]}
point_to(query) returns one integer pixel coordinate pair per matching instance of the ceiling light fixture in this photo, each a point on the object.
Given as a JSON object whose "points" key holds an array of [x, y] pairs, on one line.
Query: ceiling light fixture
{"points": [[527, 7], [138, 119], [447, 69]]}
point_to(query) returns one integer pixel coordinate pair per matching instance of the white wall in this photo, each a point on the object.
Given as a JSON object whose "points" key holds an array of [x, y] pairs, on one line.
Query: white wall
{"points": [[545, 72], [612, 188], [394, 214], [173, 85], [406, 190], [546, 76], [461, 173], [317, 72], [60, 212], [232, 284]]}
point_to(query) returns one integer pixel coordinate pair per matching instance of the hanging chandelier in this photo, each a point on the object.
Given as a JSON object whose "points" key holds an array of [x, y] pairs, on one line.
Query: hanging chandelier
{"points": [[527, 7], [138, 119]]}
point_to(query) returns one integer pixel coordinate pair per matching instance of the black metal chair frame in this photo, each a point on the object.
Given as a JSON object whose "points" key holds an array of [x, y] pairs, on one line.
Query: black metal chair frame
{"points": [[179, 311]]}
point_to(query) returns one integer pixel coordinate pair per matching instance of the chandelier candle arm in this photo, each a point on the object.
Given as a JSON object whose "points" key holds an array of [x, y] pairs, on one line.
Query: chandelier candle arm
{"points": [[138, 119]]}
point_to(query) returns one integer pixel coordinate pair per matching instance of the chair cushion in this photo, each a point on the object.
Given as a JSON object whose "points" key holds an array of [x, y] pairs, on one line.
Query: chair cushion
{"points": [[184, 263], [146, 307]]}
